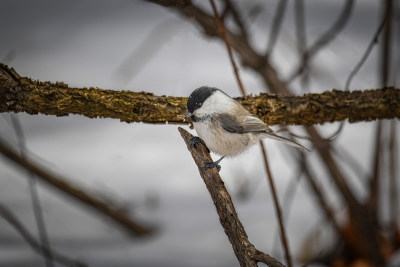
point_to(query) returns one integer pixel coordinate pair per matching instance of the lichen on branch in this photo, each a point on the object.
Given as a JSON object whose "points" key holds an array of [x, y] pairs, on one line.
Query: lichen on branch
{"points": [[22, 94]]}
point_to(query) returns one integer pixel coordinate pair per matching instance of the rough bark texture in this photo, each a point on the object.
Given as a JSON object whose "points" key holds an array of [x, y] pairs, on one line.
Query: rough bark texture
{"points": [[21, 94], [246, 253]]}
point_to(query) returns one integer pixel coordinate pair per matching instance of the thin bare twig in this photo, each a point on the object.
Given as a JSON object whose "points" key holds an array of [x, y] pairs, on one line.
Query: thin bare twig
{"points": [[363, 58], [221, 30], [44, 251], [278, 211], [336, 133], [146, 50], [318, 194], [325, 39], [276, 26], [300, 26], [394, 185], [289, 196], [366, 53], [231, 7], [37, 208], [347, 158], [302, 41], [386, 45], [374, 183]]}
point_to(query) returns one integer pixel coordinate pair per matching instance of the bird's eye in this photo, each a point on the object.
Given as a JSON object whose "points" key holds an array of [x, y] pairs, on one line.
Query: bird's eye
{"points": [[199, 105]]}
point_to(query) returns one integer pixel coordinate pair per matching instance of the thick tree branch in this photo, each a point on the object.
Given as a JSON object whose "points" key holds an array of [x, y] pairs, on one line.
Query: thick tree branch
{"points": [[21, 94], [245, 251]]}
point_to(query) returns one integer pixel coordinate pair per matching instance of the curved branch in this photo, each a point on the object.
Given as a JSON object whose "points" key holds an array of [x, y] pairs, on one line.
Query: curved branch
{"points": [[21, 94], [245, 251]]}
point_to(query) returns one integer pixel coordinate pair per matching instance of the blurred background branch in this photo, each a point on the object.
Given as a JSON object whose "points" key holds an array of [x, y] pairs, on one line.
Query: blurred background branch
{"points": [[112, 211], [7, 215]]}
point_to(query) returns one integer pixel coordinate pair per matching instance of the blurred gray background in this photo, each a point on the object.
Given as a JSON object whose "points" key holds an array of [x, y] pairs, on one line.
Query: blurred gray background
{"points": [[139, 46]]}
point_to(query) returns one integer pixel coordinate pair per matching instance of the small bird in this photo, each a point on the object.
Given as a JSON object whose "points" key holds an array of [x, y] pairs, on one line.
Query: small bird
{"points": [[224, 125]]}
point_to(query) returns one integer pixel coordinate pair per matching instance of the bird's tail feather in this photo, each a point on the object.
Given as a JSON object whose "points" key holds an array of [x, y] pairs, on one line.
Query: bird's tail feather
{"points": [[284, 140]]}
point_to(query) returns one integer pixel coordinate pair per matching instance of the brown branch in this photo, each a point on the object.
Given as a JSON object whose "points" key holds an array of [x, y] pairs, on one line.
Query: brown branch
{"points": [[75, 192], [245, 251], [20, 94]]}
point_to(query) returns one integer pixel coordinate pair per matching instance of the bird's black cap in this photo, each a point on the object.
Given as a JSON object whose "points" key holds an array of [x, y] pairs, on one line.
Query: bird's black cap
{"points": [[198, 96]]}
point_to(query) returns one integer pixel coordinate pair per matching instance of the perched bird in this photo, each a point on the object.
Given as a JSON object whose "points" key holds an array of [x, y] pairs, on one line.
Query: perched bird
{"points": [[224, 125]]}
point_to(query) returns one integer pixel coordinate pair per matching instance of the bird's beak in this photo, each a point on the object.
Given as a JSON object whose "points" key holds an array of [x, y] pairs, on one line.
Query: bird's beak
{"points": [[188, 115]]}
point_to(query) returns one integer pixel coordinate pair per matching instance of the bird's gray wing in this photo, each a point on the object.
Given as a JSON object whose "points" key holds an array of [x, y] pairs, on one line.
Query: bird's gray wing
{"points": [[247, 125], [228, 123], [251, 124], [254, 124]]}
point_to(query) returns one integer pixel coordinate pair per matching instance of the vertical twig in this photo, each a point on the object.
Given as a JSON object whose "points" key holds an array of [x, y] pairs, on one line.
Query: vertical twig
{"points": [[221, 30], [277, 206], [376, 178], [37, 208], [230, 6], [301, 40], [276, 26], [386, 46], [374, 185], [384, 74], [393, 193], [366, 53], [325, 38]]}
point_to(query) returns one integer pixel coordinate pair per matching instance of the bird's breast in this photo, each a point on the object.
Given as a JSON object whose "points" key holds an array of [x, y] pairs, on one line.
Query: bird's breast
{"points": [[221, 141]]}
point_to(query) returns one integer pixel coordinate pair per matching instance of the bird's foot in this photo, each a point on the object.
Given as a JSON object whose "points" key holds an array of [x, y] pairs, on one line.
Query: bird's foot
{"points": [[209, 165], [195, 140]]}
